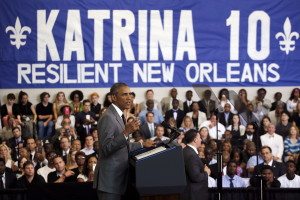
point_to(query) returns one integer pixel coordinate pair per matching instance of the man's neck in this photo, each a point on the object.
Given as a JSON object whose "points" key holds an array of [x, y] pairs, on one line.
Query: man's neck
{"points": [[290, 176]]}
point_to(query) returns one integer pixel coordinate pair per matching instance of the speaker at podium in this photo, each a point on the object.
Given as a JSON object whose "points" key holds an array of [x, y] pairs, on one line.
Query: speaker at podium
{"points": [[158, 171]]}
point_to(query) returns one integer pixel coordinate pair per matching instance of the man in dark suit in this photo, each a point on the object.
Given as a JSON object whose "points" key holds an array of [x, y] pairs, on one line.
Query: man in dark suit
{"points": [[176, 113], [251, 135], [196, 172], [147, 130], [187, 105], [207, 105], [7, 177], [278, 167], [225, 117], [111, 171], [14, 142]]}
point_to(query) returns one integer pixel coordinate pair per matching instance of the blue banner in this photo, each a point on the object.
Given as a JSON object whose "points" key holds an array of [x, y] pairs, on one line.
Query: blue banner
{"points": [[149, 43]]}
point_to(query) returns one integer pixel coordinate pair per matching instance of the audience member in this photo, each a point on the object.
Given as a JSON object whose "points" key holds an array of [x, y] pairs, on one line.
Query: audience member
{"points": [[175, 113], [290, 179], [44, 111], [76, 97], [166, 102], [274, 141], [207, 105], [231, 180]]}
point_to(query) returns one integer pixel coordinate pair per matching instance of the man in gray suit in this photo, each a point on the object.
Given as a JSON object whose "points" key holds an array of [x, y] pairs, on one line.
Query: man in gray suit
{"points": [[111, 172]]}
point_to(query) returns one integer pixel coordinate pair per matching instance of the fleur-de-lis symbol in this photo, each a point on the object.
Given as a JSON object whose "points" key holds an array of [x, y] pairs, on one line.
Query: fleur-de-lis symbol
{"points": [[287, 43], [18, 36]]}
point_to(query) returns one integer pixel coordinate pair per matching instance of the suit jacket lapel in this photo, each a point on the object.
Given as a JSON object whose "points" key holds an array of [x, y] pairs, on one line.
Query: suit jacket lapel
{"points": [[118, 118]]}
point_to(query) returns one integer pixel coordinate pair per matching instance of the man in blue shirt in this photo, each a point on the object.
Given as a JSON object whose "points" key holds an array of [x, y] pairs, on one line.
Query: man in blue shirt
{"points": [[231, 180]]}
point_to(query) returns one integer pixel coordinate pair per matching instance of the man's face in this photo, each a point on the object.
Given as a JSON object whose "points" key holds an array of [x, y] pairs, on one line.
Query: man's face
{"points": [[250, 129], [174, 93], [2, 167], [17, 133], [189, 95], [271, 128], [46, 98], [150, 118], [291, 168], [64, 144], [267, 175], [227, 107], [198, 141], [149, 95], [29, 170], [175, 104], [261, 94], [87, 107], [59, 164], [266, 155], [150, 104], [123, 98], [31, 144], [80, 160], [231, 169]]}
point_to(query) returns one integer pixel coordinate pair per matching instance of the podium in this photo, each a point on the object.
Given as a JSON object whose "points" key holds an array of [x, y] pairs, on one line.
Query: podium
{"points": [[158, 171]]}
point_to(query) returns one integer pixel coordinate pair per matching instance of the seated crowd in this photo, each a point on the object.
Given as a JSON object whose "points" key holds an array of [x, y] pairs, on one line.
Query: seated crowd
{"points": [[58, 142]]}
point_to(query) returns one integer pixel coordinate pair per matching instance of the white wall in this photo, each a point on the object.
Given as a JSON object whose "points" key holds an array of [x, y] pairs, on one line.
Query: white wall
{"points": [[140, 92]]}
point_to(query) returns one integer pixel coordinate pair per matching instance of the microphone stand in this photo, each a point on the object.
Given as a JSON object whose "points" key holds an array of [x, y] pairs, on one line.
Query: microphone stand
{"points": [[219, 162]]}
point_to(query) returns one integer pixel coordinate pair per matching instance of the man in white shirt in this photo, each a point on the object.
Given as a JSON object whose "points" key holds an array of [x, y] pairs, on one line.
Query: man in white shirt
{"points": [[89, 145], [44, 171], [274, 141], [290, 179]]}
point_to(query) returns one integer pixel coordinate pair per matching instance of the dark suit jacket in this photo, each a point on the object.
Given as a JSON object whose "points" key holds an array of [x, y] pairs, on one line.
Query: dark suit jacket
{"points": [[255, 139], [180, 116], [111, 171], [211, 106], [187, 108], [52, 177], [23, 182], [10, 178], [145, 131], [197, 180], [278, 169], [222, 119], [12, 144]]}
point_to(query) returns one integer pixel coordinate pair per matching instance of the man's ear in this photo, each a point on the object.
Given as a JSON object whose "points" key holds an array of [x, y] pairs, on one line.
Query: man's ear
{"points": [[113, 97]]}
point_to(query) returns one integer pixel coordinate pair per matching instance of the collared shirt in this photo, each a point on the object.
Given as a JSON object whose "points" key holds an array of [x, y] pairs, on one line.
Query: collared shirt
{"points": [[3, 180], [119, 111], [87, 151], [252, 162], [151, 128], [66, 152], [237, 181], [175, 113], [269, 163], [194, 148]]}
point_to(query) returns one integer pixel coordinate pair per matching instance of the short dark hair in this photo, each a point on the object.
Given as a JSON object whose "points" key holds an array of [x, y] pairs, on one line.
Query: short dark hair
{"points": [[114, 89], [262, 89], [231, 161], [266, 147], [190, 135], [290, 161], [42, 96], [16, 127], [11, 96], [86, 101], [28, 162], [265, 167], [149, 112]]}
